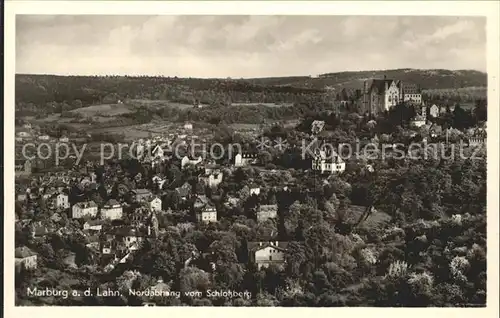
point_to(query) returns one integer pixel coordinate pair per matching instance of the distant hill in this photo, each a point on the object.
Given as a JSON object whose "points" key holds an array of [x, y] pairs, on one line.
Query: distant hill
{"points": [[55, 94], [426, 79]]}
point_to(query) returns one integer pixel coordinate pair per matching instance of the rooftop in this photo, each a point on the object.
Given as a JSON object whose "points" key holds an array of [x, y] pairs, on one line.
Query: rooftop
{"points": [[23, 252]]}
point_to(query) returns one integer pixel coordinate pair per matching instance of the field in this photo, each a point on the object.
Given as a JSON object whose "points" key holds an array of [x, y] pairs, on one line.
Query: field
{"points": [[262, 104], [104, 110], [158, 103]]}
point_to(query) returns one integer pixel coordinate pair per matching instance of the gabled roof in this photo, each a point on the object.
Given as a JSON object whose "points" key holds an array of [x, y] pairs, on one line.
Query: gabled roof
{"points": [[112, 202], [94, 222], [203, 199], [379, 85], [86, 205], [23, 252], [255, 246]]}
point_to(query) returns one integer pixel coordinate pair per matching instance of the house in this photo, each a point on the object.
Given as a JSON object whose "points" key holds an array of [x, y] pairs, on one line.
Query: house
{"points": [[254, 190], [62, 201], [160, 181], [154, 204], [327, 162], [200, 202], [158, 153], [212, 179], [204, 210], [141, 194], [184, 190], [93, 225], [476, 141], [25, 258], [130, 237], [264, 254], [21, 197], [207, 214], [267, 211], [83, 209], [22, 167], [188, 126], [380, 95], [317, 126], [64, 139], [211, 167], [434, 111], [44, 137], [245, 159], [112, 210], [189, 160], [410, 93]]}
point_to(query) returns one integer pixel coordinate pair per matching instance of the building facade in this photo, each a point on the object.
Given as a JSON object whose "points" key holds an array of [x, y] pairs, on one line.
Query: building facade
{"points": [[380, 95], [327, 162], [112, 210], [264, 254], [155, 204], [83, 209], [62, 201]]}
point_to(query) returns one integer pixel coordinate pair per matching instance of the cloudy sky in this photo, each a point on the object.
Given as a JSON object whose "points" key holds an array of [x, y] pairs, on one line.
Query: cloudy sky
{"points": [[244, 46]]}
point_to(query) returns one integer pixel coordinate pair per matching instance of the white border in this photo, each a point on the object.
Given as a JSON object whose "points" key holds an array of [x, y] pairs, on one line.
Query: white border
{"points": [[490, 9]]}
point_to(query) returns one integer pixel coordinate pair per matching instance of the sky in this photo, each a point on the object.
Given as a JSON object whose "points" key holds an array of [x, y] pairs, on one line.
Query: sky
{"points": [[245, 46]]}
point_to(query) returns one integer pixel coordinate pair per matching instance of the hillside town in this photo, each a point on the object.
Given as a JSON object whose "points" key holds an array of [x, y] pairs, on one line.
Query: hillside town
{"points": [[250, 211], [274, 160]]}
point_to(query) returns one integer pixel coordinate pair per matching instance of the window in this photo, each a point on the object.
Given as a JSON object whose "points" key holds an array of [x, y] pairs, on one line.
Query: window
{"points": [[390, 99], [270, 258]]}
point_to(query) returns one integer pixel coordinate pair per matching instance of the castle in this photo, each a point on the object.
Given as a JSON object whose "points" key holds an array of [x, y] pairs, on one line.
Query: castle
{"points": [[380, 95]]}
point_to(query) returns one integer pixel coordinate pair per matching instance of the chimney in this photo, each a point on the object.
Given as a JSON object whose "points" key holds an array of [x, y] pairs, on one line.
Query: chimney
{"points": [[276, 243]]}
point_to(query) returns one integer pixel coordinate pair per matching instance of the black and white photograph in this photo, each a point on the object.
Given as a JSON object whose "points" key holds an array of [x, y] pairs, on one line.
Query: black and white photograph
{"points": [[252, 160]]}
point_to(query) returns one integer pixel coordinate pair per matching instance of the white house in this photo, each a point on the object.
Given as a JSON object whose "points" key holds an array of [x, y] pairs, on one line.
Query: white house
{"points": [[64, 139], [254, 190], [83, 209], [25, 258], [245, 159], [328, 162], [44, 137], [188, 126], [434, 111], [207, 214], [155, 204], [94, 225], [264, 254], [112, 210], [158, 152], [159, 180], [62, 201], [186, 160]]}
